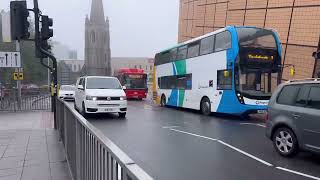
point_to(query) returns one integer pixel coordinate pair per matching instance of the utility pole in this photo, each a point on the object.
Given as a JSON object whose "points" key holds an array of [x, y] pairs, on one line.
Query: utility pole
{"points": [[18, 81]]}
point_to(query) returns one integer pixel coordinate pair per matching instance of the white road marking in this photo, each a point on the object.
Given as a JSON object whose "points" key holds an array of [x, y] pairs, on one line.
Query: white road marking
{"points": [[225, 144], [298, 173], [196, 135], [254, 124], [242, 152], [245, 153], [170, 127]]}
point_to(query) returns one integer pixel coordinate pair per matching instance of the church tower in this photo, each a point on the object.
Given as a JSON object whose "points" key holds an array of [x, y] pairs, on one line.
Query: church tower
{"points": [[97, 42]]}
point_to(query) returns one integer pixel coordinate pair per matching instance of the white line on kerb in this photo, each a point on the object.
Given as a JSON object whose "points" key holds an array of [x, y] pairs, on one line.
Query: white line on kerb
{"points": [[298, 173], [225, 144], [253, 124]]}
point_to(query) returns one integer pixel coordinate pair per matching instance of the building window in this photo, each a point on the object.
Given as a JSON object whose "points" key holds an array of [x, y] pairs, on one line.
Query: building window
{"points": [[135, 66], [151, 67], [93, 37], [74, 67], [140, 67]]}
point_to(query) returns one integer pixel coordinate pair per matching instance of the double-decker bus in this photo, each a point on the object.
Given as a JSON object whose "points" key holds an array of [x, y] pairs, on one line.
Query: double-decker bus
{"points": [[134, 81], [232, 70]]}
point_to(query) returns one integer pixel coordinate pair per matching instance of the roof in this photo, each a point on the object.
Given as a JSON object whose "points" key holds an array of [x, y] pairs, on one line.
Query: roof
{"points": [[97, 12], [108, 77], [304, 81]]}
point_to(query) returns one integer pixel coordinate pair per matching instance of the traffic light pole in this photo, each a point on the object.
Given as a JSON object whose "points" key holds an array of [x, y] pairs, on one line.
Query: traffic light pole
{"points": [[48, 54]]}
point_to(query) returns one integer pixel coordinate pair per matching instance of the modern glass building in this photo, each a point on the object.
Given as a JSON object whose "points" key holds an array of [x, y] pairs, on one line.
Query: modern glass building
{"points": [[296, 21]]}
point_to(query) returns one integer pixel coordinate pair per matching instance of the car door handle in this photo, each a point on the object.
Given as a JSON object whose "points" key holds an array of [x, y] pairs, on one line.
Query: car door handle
{"points": [[296, 116]]}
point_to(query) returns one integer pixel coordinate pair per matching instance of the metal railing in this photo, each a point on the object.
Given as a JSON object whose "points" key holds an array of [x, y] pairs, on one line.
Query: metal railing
{"points": [[91, 155], [27, 103]]}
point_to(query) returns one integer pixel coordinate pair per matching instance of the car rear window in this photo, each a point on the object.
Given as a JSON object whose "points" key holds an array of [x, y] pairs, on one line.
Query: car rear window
{"points": [[314, 98], [288, 95]]}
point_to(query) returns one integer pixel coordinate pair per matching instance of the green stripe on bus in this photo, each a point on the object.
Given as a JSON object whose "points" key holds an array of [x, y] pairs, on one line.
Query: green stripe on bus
{"points": [[181, 67], [181, 97]]}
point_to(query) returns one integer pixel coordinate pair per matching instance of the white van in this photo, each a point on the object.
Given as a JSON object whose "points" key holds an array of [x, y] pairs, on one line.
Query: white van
{"points": [[100, 94]]}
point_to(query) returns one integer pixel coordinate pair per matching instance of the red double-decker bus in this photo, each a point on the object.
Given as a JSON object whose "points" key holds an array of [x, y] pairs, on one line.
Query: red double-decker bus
{"points": [[135, 81]]}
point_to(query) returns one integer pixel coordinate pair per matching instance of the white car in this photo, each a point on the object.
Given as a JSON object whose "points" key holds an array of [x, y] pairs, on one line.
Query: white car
{"points": [[67, 92], [100, 94]]}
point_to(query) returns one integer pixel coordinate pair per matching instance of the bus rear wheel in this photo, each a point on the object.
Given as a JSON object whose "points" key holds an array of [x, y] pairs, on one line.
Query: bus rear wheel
{"points": [[205, 106], [163, 102]]}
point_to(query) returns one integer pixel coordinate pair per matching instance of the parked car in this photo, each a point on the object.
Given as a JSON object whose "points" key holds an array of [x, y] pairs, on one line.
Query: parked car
{"points": [[293, 121], [100, 94], [67, 92]]}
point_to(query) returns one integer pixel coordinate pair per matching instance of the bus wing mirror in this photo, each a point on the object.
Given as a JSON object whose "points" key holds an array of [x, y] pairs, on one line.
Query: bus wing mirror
{"points": [[124, 87], [226, 74], [80, 87], [292, 71]]}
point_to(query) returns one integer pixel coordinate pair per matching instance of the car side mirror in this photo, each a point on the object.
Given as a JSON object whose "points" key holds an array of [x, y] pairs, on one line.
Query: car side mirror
{"points": [[80, 87], [124, 87]]}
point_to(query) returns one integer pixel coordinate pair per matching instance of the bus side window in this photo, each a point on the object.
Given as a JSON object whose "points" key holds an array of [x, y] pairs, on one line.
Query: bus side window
{"points": [[173, 54], [223, 41], [224, 81], [165, 57], [182, 53], [207, 45], [193, 49]]}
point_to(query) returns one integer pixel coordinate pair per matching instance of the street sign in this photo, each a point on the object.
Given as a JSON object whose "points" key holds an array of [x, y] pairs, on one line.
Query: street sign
{"points": [[18, 76], [10, 59]]}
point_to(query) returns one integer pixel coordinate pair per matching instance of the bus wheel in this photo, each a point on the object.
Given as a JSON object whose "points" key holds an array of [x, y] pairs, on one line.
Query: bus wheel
{"points": [[163, 101], [205, 106]]}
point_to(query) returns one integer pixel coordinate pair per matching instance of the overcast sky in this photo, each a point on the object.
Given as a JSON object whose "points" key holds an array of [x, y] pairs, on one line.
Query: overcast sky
{"points": [[139, 28]]}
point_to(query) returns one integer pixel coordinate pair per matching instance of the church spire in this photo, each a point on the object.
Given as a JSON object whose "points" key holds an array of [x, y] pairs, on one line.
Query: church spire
{"points": [[97, 12]]}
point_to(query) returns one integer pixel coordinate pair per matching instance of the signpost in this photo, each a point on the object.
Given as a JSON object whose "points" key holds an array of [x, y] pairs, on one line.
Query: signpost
{"points": [[10, 60]]}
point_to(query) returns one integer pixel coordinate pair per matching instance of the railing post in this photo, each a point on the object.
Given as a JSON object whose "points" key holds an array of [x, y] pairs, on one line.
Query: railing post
{"points": [[65, 138], [78, 150]]}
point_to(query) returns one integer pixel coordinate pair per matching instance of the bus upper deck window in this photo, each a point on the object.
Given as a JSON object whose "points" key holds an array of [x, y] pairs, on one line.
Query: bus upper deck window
{"points": [[223, 41]]}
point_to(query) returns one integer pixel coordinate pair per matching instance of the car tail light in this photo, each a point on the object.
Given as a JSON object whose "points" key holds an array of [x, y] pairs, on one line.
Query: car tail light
{"points": [[267, 116]]}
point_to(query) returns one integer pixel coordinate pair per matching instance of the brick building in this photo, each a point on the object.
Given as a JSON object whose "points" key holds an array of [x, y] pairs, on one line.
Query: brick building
{"points": [[296, 21]]}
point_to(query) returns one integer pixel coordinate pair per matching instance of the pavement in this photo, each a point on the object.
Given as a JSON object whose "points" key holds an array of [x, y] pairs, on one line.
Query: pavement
{"points": [[179, 144], [30, 148]]}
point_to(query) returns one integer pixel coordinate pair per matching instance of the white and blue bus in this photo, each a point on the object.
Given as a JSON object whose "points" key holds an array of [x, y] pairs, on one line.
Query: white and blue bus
{"points": [[232, 70]]}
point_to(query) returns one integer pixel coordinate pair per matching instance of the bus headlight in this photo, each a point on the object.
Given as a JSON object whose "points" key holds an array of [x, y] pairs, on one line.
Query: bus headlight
{"points": [[240, 98], [122, 98]]}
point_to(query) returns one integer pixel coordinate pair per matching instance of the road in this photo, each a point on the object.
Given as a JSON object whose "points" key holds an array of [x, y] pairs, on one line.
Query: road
{"points": [[172, 144]]}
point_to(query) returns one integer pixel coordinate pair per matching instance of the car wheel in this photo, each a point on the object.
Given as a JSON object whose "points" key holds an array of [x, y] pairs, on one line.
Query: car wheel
{"points": [[285, 142], [163, 101], [122, 115], [205, 106], [83, 112]]}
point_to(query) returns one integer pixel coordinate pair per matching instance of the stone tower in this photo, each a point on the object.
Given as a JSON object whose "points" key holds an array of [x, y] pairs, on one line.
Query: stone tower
{"points": [[97, 42]]}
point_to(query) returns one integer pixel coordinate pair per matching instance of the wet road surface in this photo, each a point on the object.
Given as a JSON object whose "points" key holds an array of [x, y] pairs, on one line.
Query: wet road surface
{"points": [[172, 144]]}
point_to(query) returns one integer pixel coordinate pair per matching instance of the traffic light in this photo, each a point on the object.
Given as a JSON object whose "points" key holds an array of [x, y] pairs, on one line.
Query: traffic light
{"points": [[46, 31], [46, 34], [19, 20]]}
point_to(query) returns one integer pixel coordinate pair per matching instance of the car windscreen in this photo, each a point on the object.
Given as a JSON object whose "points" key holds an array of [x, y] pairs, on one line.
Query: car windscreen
{"points": [[103, 83], [67, 88]]}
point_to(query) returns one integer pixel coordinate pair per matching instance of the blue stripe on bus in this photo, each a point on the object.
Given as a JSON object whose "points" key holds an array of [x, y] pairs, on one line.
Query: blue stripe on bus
{"points": [[173, 99]]}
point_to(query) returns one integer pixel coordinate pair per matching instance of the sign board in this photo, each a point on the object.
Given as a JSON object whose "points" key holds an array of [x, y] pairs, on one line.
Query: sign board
{"points": [[18, 76], [10, 59]]}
